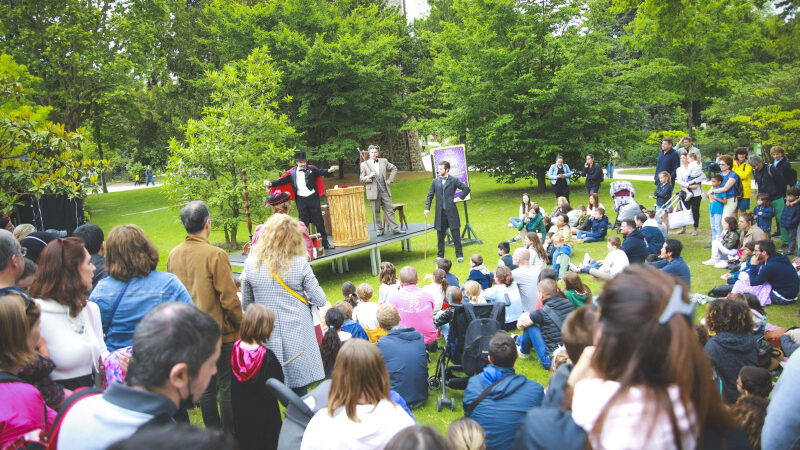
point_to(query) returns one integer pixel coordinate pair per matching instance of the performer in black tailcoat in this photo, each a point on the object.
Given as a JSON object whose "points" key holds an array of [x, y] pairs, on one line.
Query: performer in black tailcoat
{"points": [[444, 188]]}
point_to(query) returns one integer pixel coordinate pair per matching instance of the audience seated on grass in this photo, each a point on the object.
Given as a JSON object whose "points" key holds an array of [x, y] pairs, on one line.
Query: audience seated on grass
{"points": [[783, 418], [437, 288], [360, 413], [465, 434], [389, 282], [542, 327], [577, 292], [769, 266], [366, 313], [445, 264], [175, 352], [561, 255], [672, 262], [498, 398], [414, 305], [349, 293], [504, 250], [726, 245], [478, 272], [473, 292], [350, 325], [651, 233], [634, 244], [333, 338], [505, 290], [533, 243], [732, 346], [597, 227], [577, 334], [403, 351], [526, 277], [614, 263]]}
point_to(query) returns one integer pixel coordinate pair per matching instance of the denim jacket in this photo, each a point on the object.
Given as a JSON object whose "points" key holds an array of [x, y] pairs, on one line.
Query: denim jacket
{"points": [[142, 295], [552, 173]]}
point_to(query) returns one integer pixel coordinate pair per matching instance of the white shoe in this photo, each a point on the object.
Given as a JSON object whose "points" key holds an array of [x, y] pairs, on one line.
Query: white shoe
{"points": [[710, 262], [688, 196], [574, 268], [723, 264], [586, 259], [520, 354], [511, 226], [724, 277]]}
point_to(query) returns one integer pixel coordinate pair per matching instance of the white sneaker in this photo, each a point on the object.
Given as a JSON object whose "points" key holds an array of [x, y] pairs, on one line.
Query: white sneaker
{"points": [[724, 277], [709, 262], [586, 259], [574, 268], [511, 226], [688, 196], [722, 264], [520, 354]]}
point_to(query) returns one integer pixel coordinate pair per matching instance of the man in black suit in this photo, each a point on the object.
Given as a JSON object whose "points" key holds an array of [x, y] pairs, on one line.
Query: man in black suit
{"points": [[444, 187], [307, 188]]}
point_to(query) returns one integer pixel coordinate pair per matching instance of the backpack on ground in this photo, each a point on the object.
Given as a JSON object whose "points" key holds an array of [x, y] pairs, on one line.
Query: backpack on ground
{"points": [[476, 340]]}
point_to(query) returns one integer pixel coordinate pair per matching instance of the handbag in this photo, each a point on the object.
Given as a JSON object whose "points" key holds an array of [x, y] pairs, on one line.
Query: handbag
{"points": [[316, 319], [680, 216]]}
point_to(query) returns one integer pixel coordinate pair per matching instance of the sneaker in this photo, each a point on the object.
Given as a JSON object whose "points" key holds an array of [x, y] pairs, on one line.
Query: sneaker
{"points": [[574, 268], [586, 259], [710, 262], [520, 354], [510, 226], [721, 264], [461, 260], [516, 238]]}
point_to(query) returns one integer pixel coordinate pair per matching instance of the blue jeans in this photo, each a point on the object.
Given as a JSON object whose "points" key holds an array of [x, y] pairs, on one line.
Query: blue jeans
{"points": [[610, 170], [515, 221], [777, 299], [716, 226], [588, 236], [532, 337], [150, 180]]}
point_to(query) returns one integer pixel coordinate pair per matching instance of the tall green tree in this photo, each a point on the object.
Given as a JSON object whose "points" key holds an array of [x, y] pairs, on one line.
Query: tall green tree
{"points": [[240, 129]]}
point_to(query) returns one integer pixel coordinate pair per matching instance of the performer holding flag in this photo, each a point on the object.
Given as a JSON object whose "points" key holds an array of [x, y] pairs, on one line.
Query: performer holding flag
{"points": [[304, 185]]}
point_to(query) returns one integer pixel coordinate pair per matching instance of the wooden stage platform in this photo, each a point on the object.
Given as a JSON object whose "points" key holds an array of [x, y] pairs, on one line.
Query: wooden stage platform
{"points": [[338, 256]]}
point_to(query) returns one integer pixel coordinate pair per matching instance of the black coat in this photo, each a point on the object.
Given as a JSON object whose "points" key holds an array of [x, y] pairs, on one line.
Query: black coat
{"points": [[551, 332], [256, 415], [767, 180], [311, 178], [444, 200], [729, 352], [593, 175], [635, 247]]}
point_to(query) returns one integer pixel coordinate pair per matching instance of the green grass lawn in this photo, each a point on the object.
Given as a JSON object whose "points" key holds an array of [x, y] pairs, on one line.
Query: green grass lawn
{"points": [[491, 206]]}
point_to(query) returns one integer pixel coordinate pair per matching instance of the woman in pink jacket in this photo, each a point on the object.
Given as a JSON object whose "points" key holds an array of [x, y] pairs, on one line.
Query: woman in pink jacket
{"points": [[24, 416]]}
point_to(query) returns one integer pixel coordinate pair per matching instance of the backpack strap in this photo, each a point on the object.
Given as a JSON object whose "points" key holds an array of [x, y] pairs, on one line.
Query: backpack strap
{"points": [[470, 310], [6, 377], [548, 311], [52, 438], [471, 407], [498, 308], [107, 329]]}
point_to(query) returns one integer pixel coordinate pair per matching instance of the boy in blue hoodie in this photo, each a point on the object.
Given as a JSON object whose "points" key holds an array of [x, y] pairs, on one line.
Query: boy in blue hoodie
{"points": [[561, 255], [764, 213], [790, 217], [479, 272], [598, 225]]}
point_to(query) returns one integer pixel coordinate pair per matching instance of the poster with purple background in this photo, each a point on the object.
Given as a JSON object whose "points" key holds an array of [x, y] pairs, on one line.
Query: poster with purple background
{"points": [[458, 163]]}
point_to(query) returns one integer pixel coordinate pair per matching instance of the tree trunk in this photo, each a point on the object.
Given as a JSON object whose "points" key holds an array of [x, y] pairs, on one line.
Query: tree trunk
{"points": [[234, 230], [102, 173], [341, 168], [227, 236], [541, 175]]}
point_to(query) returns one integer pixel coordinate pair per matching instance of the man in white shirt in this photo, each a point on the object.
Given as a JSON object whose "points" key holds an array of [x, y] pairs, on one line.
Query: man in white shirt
{"points": [[527, 278], [306, 189]]}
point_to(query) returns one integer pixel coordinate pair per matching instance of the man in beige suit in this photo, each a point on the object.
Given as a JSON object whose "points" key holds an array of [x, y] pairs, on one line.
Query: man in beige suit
{"points": [[377, 174]]}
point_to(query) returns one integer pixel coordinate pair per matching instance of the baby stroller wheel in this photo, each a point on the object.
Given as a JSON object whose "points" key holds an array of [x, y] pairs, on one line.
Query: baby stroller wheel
{"points": [[433, 382]]}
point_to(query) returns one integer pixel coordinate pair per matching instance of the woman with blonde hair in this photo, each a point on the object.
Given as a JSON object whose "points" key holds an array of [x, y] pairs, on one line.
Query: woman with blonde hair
{"points": [[133, 286], [277, 275], [472, 292], [70, 323], [24, 412], [466, 434], [360, 413]]}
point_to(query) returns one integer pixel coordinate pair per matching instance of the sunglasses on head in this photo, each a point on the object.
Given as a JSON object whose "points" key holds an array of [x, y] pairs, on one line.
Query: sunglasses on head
{"points": [[21, 293]]}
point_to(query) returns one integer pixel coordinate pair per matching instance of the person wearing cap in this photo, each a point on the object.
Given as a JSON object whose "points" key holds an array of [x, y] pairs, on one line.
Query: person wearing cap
{"points": [[279, 201], [377, 174], [34, 243], [305, 187]]}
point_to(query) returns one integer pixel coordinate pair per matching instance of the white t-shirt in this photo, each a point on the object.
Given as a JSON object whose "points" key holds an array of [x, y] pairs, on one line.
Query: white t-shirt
{"points": [[386, 290], [616, 261], [630, 423], [366, 314], [438, 296], [75, 343], [378, 424]]}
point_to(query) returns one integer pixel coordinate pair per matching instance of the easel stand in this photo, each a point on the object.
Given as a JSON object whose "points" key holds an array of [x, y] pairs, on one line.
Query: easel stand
{"points": [[468, 235]]}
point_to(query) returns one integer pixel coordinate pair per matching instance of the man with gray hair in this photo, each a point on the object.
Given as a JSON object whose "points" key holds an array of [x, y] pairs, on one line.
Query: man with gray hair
{"points": [[377, 174], [175, 352], [11, 260], [206, 272], [527, 278]]}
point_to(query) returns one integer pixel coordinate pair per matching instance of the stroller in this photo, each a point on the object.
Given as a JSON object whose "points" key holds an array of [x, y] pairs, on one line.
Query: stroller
{"points": [[625, 205], [471, 329], [299, 411]]}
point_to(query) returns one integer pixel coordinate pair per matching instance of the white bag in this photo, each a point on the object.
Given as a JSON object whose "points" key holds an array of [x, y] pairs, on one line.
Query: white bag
{"points": [[681, 216]]}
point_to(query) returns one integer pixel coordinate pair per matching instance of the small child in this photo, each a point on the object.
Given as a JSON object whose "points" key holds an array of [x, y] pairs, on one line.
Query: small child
{"points": [[389, 284], [533, 222], [577, 292], [561, 255], [437, 288], [350, 325], [790, 217], [726, 245], [479, 272], [716, 205], [598, 227], [334, 337], [366, 313], [749, 413], [255, 410], [754, 381], [349, 293], [664, 189], [465, 434], [472, 292], [694, 172], [504, 251], [764, 212], [577, 216]]}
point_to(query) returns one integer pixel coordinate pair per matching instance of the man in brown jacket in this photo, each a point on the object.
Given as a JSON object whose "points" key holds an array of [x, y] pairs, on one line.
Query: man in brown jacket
{"points": [[377, 174], [206, 272]]}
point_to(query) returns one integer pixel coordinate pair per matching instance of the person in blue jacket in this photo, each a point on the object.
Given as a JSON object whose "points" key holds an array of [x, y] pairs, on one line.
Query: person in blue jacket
{"points": [[769, 266], [498, 398], [634, 245], [668, 160], [598, 225], [559, 175], [403, 351], [653, 236], [783, 416], [672, 262]]}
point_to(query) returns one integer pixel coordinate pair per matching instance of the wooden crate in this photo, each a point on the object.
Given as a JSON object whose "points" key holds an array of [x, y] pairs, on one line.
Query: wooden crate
{"points": [[348, 216]]}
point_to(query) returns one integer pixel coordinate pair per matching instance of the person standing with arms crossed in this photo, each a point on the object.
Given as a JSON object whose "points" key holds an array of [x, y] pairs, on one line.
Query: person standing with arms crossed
{"points": [[377, 174], [444, 188]]}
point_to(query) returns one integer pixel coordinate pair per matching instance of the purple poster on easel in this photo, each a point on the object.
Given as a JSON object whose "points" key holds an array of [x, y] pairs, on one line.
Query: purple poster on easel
{"points": [[458, 163]]}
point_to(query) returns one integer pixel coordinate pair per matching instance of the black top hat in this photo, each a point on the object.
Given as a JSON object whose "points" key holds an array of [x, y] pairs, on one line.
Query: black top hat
{"points": [[300, 156], [35, 243]]}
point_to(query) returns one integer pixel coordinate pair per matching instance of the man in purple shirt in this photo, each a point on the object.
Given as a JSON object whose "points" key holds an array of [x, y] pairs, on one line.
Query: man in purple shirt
{"points": [[415, 306]]}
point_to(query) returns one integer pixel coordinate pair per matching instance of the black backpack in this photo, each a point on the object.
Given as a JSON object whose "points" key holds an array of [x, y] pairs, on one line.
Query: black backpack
{"points": [[738, 189], [479, 332]]}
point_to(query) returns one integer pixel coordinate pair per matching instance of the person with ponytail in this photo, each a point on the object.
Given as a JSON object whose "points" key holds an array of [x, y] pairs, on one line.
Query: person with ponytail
{"points": [[505, 290], [333, 339]]}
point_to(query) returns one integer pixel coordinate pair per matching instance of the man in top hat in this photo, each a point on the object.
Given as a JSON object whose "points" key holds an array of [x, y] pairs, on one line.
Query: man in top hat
{"points": [[377, 174], [304, 185]]}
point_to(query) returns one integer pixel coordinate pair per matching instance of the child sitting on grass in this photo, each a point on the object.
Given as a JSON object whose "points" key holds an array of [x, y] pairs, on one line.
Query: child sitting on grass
{"points": [[561, 255], [350, 325], [577, 292], [366, 313], [479, 272]]}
